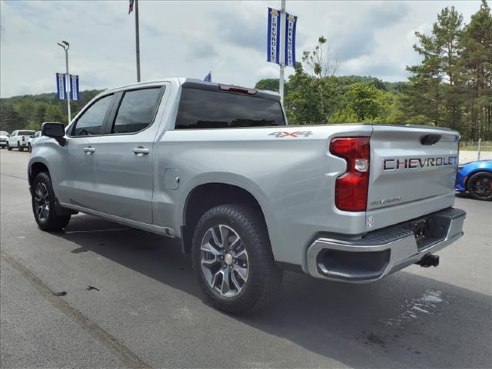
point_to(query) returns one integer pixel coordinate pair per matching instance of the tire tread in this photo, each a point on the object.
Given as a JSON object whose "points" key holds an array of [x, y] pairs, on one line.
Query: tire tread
{"points": [[55, 222], [267, 277]]}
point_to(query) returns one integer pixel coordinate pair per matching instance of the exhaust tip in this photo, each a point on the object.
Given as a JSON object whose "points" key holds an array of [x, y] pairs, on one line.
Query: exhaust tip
{"points": [[428, 261]]}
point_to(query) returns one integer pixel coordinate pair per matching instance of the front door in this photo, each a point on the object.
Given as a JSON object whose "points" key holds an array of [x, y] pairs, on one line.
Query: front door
{"points": [[78, 184], [124, 156]]}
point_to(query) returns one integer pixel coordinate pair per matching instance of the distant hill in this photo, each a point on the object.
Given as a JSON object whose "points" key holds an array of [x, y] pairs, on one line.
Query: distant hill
{"points": [[29, 111]]}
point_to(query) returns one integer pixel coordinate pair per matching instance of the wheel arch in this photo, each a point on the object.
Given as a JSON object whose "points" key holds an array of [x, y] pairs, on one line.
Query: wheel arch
{"points": [[208, 195], [34, 169]]}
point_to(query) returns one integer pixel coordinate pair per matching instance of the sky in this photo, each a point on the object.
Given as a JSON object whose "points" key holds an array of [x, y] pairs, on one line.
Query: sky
{"points": [[191, 38]]}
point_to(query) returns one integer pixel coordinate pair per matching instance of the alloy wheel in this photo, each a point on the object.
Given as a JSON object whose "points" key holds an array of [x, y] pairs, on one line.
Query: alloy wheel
{"points": [[41, 201], [224, 260], [482, 187]]}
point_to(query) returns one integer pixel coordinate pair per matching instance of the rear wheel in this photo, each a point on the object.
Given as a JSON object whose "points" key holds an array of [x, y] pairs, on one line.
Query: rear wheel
{"points": [[8, 147], [19, 147], [480, 186], [43, 205], [233, 259]]}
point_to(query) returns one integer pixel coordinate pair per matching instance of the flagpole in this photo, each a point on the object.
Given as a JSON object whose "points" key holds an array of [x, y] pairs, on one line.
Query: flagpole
{"points": [[282, 52], [137, 40]]}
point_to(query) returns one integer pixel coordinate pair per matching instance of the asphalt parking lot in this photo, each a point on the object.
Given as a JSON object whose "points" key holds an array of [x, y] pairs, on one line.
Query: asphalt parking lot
{"points": [[103, 295]]}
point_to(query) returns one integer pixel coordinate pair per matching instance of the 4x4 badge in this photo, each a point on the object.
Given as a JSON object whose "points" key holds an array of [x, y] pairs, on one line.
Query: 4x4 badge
{"points": [[296, 134]]}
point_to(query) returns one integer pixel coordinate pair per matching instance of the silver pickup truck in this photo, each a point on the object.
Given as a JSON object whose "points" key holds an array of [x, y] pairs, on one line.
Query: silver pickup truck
{"points": [[217, 167]]}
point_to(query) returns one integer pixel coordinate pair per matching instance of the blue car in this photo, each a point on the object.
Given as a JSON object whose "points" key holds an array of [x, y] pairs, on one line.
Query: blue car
{"points": [[476, 179]]}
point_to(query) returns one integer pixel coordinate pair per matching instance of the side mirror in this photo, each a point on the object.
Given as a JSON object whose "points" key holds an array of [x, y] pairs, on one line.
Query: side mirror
{"points": [[54, 130]]}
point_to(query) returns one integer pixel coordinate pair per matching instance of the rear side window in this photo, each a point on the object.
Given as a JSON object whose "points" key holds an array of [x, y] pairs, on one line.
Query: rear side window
{"points": [[92, 120], [137, 110], [26, 133], [216, 109]]}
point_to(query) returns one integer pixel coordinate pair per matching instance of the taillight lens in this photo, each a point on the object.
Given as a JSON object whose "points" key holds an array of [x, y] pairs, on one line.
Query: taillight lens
{"points": [[351, 187]]}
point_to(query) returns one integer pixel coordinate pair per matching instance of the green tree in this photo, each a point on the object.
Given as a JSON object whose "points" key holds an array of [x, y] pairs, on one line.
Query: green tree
{"points": [[270, 84], [364, 101], [25, 109], [39, 115], [310, 100], [476, 64], [54, 114], [433, 90], [9, 118]]}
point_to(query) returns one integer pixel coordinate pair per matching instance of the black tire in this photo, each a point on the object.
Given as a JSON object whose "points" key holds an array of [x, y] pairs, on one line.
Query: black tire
{"points": [[263, 277], [19, 147], [480, 186], [43, 205], [8, 147]]}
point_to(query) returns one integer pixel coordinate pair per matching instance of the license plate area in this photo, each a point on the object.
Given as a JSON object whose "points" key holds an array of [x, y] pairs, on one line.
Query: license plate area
{"points": [[430, 230], [422, 231]]}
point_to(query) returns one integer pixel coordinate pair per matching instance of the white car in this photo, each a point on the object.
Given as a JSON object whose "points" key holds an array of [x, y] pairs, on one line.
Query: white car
{"points": [[32, 139], [4, 139], [19, 139]]}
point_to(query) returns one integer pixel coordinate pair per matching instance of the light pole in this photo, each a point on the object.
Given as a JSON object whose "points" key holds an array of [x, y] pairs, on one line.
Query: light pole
{"points": [[65, 45], [282, 51]]}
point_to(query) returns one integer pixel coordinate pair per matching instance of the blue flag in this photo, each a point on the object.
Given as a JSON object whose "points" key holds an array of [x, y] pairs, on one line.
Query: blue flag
{"points": [[61, 86], [290, 40], [74, 87], [273, 50], [208, 77]]}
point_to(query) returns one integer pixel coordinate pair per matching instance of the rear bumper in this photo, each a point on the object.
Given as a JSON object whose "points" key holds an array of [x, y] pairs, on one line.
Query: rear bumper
{"points": [[384, 251]]}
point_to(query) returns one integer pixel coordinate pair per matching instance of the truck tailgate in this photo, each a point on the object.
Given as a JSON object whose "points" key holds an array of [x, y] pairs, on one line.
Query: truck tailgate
{"points": [[412, 173]]}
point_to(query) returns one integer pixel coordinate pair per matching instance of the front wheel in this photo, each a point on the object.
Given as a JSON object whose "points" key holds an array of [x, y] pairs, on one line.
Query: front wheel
{"points": [[480, 186], [233, 259], [43, 205]]}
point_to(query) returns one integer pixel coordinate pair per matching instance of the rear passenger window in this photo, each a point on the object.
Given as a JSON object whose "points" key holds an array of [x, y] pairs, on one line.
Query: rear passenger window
{"points": [[137, 110], [92, 120]]}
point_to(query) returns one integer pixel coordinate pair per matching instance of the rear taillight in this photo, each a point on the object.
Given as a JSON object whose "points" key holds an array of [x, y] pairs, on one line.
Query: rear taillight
{"points": [[23, 138], [351, 187]]}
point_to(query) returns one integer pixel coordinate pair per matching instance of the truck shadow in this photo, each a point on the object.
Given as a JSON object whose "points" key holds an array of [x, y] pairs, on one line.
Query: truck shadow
{"points": [[403, 321]]}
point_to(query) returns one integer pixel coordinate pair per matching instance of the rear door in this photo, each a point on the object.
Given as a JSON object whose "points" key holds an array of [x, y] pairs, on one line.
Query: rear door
{"points": [[412, 173]]}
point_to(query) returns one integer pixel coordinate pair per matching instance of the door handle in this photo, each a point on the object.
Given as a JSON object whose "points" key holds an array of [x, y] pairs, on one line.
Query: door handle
{"points": [[140, 151], [89, 150]]}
